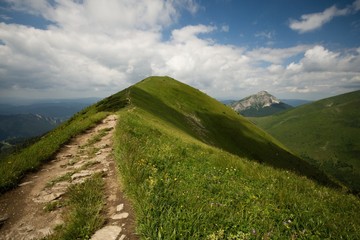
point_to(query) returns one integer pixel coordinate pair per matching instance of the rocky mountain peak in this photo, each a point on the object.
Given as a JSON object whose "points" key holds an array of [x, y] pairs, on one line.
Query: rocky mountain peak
{"points": [[257, 103]]}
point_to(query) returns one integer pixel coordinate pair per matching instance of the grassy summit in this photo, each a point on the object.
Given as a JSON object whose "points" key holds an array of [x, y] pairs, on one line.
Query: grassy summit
{"points": [[187, 162], [207, 120], [326, 133]]}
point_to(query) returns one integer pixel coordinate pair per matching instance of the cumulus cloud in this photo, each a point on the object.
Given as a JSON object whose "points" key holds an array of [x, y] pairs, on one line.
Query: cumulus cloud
{"points": [[90, 48]]}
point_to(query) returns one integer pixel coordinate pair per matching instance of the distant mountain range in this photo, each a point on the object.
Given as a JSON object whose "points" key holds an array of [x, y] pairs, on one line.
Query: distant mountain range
{"points": [[25, 125], [260, 104], [18, 123]]}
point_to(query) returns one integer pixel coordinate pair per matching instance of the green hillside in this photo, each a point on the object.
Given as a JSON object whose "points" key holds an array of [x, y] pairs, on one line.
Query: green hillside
{"points": [[187, 164], [326, 133], [194, 169]]}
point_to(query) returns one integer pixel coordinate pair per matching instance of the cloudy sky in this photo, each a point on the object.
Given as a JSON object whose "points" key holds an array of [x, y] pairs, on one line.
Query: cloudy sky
{"points": [[307, 49]]}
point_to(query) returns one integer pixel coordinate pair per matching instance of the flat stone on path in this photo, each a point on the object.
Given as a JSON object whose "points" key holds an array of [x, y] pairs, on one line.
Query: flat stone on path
{"points": [[120, 207], [120, 216], [107, 233], [84, 173], [48, 197], [25, 183]]}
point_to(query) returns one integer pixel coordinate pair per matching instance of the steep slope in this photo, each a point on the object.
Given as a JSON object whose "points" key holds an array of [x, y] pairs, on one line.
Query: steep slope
{"points": [[326, 133], [260, 104], [173, 147], [209, 121]]}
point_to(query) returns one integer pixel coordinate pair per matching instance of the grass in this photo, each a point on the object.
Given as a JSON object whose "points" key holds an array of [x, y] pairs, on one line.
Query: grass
{"points": [[52, 206], [194, 169], [85, 204], [15, 166], [325, 133], [185, 189], [96, 138], [199, 116]]}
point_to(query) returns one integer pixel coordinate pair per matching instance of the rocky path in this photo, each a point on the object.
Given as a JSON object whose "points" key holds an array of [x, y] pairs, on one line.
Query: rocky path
{"points": [[37, 206]]}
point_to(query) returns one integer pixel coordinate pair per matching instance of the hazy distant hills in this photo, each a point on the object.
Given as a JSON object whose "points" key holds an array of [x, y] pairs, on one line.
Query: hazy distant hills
{"points": [[21, 122], [326, 133], [260, 104], [25, 125], [61, 109]]}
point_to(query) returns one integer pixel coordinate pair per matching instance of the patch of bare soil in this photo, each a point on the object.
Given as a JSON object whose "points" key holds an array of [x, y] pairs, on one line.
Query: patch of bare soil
{"points": [[37, 205]]}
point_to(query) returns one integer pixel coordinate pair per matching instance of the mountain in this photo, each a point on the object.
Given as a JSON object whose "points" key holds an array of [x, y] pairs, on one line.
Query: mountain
{"points": [[18, 129], [25, 125], [61, 109], [194, 169], [19, 121], [260, 104], [325, 132]]}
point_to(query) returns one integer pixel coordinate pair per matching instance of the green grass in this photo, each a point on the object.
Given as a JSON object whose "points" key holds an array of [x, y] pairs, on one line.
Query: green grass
{"points": [[96, 138], [194, 169], [184, 189], [84, 205], [325, 133], [199, 116], [15, 166]]}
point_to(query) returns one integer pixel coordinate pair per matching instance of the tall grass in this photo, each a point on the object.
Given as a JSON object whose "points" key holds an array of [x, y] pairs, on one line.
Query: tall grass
{"points": [[84, 217], [185, 189]]}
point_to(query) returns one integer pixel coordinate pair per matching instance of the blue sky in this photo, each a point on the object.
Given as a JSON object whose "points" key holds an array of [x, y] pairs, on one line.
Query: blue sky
{"points": [[229, 49]]}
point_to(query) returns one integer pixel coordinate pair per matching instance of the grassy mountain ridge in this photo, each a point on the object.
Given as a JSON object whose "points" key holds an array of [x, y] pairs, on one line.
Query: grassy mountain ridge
{"points": [[325, 132], [187, 164], [211, 122], [185, 184]]}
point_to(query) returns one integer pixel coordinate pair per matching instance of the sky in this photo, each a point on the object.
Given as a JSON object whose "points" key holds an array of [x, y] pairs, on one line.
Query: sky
{"points": [[229, 49]]}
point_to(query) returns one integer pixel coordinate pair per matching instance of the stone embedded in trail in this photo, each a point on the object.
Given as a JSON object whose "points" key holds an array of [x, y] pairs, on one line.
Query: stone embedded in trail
{"points": [[81, 174], [47, 197], [119, 207], [107, 233], [45, 231], [120, 216], [25, 183]]}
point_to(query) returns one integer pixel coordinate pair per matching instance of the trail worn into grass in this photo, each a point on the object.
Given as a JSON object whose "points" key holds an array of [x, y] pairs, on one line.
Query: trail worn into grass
{"points": [[39, 204]]}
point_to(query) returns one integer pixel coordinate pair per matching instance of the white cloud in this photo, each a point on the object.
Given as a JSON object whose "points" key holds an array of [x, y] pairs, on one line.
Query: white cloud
{"points": [[97, 49], [190, 32], [310, 22]]}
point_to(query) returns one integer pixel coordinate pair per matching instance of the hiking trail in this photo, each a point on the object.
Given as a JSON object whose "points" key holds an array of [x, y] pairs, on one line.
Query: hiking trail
{"points": [[23, 213]]}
